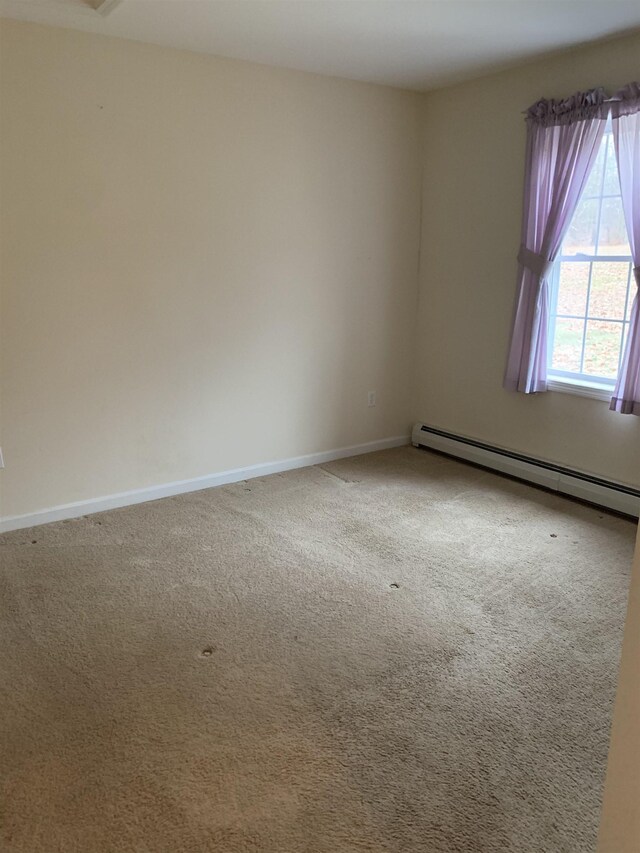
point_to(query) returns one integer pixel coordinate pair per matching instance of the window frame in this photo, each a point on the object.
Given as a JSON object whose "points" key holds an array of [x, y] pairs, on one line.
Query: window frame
{"points": [[571, 382]]}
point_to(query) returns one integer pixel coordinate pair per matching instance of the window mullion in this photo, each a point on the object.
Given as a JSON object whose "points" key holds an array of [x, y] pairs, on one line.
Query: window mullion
{"points": [[628, 293], [586, 314], [604, 172], [596, 319], [555, 278], [624, 316]]}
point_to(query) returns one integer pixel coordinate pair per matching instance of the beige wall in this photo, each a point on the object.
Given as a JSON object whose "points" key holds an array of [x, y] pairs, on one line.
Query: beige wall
{"points": [[206, 264], [473, 174]]}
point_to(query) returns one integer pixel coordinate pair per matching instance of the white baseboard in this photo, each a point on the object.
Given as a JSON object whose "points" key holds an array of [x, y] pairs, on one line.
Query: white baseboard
{"points": [[578, 484], [166, 490]]}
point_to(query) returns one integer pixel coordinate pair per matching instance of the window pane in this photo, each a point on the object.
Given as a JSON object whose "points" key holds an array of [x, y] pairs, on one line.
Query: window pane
{"points": [[602, 348], [613, 238], [581, 236], [611, 182], [594, 183], [567, 345], [572, 288], [608, 289]]}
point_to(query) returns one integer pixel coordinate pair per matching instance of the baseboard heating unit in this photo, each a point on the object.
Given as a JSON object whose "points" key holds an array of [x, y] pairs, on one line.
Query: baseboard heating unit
{"points": [[577, 484]]}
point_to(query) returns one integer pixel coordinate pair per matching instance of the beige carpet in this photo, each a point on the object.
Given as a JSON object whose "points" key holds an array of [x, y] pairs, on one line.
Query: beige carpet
{"points": [[395, 652]]}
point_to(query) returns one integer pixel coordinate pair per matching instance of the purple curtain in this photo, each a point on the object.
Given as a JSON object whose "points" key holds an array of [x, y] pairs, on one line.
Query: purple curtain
{"points": [[625, 113], [562, 143]]}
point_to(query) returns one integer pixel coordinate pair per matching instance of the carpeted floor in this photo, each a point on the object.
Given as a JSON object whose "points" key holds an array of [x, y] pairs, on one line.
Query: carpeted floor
{"points": [[394, 653]]}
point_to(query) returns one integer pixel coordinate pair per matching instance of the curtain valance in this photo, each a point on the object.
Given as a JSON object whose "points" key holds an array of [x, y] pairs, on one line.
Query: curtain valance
{"points": [[583, 106], [626, 101], [578, 107]]}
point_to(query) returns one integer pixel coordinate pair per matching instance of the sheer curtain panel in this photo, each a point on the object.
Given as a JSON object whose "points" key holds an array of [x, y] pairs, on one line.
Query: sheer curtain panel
{"points": [[625, 114]]}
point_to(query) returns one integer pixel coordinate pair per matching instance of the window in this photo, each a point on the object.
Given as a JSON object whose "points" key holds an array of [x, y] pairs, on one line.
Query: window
{"points": [[592, 286], [577, 315]]}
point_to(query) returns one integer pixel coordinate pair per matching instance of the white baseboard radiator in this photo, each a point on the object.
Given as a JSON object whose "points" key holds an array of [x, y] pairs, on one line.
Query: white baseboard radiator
{"points": [[577, 484]]}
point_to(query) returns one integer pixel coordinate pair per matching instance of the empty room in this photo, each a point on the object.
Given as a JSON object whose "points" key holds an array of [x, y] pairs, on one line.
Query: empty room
{"points": [[319, 434]]}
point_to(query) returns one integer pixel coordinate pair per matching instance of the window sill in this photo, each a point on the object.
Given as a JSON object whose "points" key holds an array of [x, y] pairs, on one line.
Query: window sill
{"points": [[595, 390]]}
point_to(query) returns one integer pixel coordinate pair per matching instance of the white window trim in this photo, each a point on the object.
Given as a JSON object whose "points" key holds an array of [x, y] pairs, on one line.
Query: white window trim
{"points": [[580, 387]]}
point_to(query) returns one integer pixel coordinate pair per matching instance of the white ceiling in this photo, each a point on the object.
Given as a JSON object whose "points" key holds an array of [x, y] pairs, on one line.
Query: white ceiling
{"points": [[417, 44]]}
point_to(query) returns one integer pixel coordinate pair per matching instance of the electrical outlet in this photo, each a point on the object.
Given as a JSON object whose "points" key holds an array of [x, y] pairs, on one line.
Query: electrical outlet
{"points": [[371, 398]]}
